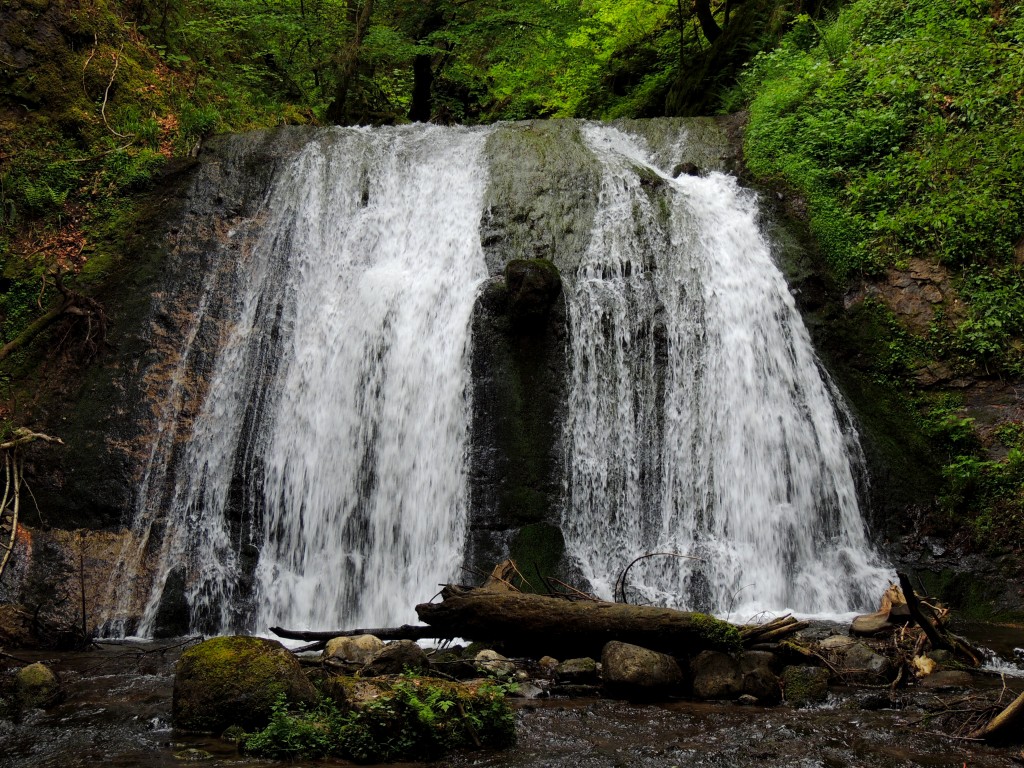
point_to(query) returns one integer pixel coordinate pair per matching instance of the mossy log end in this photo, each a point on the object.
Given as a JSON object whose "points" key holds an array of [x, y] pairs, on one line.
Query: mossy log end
{"points": [[552, 625]]}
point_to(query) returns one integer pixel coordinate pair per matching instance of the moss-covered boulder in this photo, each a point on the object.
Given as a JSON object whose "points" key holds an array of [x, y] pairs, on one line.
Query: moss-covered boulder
{"points": [[36, 686], [803, 685], [235, 681]]}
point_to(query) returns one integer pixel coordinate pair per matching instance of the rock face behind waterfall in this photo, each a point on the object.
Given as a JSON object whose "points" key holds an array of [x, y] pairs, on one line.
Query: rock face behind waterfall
{"points": [[540, 206]]}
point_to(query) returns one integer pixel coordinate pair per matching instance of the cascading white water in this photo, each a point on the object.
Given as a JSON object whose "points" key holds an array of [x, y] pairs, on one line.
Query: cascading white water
{"points": [[337, 410], [700, 422]]}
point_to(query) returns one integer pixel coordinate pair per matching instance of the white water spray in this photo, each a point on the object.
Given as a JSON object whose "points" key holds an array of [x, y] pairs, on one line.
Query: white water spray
{"points": [[335, 425], [700, 421]]}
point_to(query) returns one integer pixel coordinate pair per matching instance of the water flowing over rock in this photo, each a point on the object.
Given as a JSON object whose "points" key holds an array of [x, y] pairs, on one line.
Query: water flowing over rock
{"points": [[364, 394], [329, 446], [700, 422]]}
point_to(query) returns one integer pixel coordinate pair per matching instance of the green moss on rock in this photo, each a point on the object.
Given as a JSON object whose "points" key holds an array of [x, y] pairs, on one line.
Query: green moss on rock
{"points": [[717, 633], [235, 681], [805, 685]]}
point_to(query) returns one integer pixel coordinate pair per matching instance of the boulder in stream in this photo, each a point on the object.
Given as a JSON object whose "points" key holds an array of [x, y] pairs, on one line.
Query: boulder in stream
{"points": [[36, 685], [582, 671], [856, 661], [228, 681], [350, 654], [803, 685], [396, 658], [716, 675], [632, 671]]}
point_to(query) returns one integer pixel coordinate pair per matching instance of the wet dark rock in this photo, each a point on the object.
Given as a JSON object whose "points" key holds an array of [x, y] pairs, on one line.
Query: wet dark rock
{"points": [[533, 286], [872, 702], [172, 613], [576, 691], [716, 675], [803, 685], [856, 661], [947, 679], [397, 657], [235, 681], [582, 671], [631, 671], [685, 169], [36, 686], [449, 663], [350, 654], [759, 678]]}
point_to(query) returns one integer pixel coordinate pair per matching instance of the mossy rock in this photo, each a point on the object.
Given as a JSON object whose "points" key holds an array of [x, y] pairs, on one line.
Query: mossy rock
{"points": [[235, 681], [36, 686], [805, 685]]}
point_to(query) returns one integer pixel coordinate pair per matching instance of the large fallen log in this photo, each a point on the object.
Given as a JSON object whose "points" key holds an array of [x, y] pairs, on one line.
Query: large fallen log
{"points": [[542, 624]]}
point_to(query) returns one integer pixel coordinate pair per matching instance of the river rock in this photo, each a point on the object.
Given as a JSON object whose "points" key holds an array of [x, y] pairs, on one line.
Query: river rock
{"points": [[856, 661], [235, 681], [396, 658], [547, 665], [716, 675], [533, 285], [36, 686], [582, 671], [805, 685], [759, 678], [947, 679], [630, 670], [350, 654], [491, 662]]}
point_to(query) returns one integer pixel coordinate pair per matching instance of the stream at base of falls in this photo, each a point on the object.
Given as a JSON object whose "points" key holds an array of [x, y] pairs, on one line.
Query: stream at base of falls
{"points": [[118, 705]]}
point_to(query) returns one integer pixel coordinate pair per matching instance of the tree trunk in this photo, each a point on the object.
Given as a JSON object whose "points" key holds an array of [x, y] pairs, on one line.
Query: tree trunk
{"points": [[707, 21], [555, 626], [350, 59], [422, 88]]}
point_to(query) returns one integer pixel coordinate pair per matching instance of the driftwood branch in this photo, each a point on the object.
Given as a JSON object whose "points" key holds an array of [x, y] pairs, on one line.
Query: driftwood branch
{"points": [[935, 637], [404, 632], [1008, 725], [71, 303], [771, 631], [620, 583]]}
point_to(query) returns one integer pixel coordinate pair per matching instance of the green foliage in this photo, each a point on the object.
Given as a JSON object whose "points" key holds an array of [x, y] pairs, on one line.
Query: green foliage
{"points": [[901, 125], [288, 736], [419, 718], [996, 319]]}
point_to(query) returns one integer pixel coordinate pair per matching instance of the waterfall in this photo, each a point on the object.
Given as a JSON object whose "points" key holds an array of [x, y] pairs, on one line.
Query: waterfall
{"points": [[330, 444], [309, 463], [700, 421]]}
